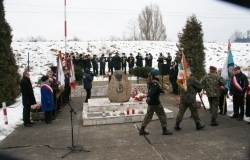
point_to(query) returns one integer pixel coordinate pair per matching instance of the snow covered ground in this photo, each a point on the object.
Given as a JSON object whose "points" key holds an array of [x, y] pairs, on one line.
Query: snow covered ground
{"points": [[42, 55]]}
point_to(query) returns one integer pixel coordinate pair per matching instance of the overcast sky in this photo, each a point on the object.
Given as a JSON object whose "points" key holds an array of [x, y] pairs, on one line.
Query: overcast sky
{"points": [[101, 19]]}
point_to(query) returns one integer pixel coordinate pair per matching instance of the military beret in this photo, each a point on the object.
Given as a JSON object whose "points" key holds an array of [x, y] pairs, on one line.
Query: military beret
{"points": [[155, 72], [212, 68]]}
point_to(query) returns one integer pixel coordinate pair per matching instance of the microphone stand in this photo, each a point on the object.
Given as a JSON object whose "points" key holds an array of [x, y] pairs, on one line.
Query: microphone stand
{"points": [[73, 148]]}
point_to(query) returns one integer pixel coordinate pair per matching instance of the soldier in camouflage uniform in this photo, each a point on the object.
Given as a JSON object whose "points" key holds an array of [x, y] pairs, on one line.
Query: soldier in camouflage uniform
{"points": [[188, 100], [154, 104], [211, 84]]}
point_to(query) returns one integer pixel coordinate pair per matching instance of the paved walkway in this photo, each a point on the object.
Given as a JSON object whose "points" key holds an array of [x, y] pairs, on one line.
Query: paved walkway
{"points": [[230, 140]]}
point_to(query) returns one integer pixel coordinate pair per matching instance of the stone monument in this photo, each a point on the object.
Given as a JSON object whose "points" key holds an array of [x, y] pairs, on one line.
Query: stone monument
{"points": [[119, 88]]}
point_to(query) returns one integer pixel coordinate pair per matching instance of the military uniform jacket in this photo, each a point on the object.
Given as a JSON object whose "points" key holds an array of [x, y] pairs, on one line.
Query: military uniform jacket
{"points": [[131, 62], [211, 84], [102, 61], [124, 60], [154, 91], [95, 62], [110, 62], [139, 62], [193, 87], [169, 59], [88, 63], [147, 61]]}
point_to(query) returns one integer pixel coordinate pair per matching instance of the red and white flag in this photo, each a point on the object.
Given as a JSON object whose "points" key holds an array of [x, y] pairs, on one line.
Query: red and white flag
{"points": [[60, 74], [72, 79]]}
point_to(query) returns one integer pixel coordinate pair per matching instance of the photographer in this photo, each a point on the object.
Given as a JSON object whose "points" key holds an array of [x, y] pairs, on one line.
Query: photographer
{"points": [[87, 83]]}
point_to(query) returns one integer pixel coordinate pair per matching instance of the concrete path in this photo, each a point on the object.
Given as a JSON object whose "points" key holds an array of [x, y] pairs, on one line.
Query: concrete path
{"points": [[230, 140]]}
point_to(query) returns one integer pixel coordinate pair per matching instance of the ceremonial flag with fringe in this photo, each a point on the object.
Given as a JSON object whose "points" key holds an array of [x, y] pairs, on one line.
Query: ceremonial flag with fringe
{"points": [[183, 72], [72, 78], [228, 66], [60, 74]]}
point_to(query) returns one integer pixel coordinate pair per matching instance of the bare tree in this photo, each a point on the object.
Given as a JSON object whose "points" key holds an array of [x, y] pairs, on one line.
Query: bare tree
{"points": [[151, 24], [236, 36], [133, 30]]}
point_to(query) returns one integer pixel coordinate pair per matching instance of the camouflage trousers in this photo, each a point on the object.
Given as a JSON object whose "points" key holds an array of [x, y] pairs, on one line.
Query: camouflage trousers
{"points": [[182, 109], [213, 103], [159, 110]]}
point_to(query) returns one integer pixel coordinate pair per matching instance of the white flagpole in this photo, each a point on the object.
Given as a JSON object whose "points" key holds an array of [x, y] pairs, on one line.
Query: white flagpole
{"points": [[65, 26]]}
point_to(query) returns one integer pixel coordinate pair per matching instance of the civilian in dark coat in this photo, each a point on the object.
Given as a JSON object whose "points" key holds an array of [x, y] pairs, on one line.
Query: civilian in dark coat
{"points": [[28, 98], [47, 99], [88, 62], [117, 61], [87, 83], [239, 84], [147, 61], [81, 62], [150, 60], [139, 59]]}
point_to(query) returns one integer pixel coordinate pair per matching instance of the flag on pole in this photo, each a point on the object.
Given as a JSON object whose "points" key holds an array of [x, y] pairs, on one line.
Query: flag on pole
{"points": [[59, 73], [72, 79], [228, 66], [183, 73]]}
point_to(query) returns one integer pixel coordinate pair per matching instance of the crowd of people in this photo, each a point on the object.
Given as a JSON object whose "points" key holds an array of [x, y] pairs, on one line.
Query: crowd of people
{"points": [[212, 84]]}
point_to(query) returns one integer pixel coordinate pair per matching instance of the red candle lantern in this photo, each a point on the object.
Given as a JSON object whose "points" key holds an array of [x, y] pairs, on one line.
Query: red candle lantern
{"points": [[133, 111], [127, 111]]}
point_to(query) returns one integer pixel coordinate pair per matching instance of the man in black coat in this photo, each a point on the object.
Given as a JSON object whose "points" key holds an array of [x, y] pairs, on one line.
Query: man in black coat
{"points": [[102, 61], [87, 83], [88, 61], [110, 63], [139, 59], [28, 98], [124, 62], [150, 60], [131, 62], [147, 61], [117, 61], [239, 84], [94, 61]]}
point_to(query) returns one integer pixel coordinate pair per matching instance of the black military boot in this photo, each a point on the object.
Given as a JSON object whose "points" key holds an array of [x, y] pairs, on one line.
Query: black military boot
{"points": [[213, 122], [165, 131], [142, 131], [199, 126], [177, 126]]}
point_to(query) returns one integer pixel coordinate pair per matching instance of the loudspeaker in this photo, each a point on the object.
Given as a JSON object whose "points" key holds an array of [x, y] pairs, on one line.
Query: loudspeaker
{"points": [[54, 68], [164, 69]]}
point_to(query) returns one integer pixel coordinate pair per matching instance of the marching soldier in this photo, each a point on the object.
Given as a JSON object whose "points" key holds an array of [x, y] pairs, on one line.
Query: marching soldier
{"points": [[124, 62], [188, 100], [154, 104], [211, 83], [139, 59], [110, 63], [102, 61], [131, 62]]}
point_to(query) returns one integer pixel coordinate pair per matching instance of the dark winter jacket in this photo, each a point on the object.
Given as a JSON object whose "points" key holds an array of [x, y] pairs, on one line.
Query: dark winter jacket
{"points": [[117, 62], [131, 62], [139, 62], [102, 61], [88, 63], [124, 61], [81, 63], [87, 81], [173, 74], [95, 63], [242, 80], [110, 62], [28, 97], [154, 91], [47, 98], [169, 59]]}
